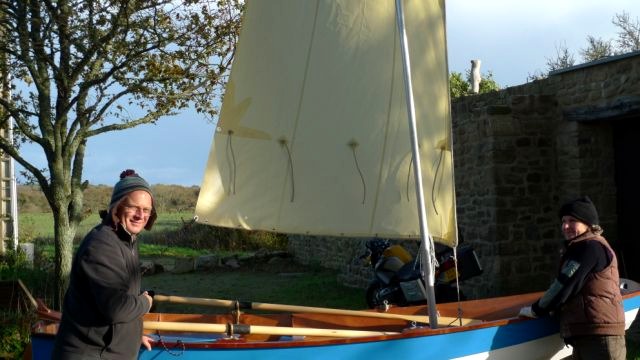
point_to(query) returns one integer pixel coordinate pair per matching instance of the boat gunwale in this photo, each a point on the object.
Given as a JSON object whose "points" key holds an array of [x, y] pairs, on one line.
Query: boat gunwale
{"points": [[243, 343]]}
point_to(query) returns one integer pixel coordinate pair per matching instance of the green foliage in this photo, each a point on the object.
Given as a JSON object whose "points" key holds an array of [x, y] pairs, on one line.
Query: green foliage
{"points": [[459, 86], [15, 322], [488, 83], [12, 260], [155, 250], [174, 198], [198, 236], [14, 334], [14, 266]]}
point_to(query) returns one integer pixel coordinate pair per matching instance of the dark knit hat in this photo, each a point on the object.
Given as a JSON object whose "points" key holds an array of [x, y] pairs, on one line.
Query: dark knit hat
{"points": [[129, 182], [582, 209]]}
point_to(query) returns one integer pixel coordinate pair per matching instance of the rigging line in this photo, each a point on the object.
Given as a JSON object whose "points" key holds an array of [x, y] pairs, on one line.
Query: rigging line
{"points": [[419, 259], [232, 175], [353, 145], [283, 143], [455, 263], [435, 179]]}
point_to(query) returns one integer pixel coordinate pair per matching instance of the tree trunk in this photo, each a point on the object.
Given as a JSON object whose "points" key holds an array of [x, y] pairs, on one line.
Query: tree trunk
{"points": [[65, 232]]}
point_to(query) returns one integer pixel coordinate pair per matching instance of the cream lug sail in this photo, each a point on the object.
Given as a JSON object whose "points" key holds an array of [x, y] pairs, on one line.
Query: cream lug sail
{"points": [[313, 133]]}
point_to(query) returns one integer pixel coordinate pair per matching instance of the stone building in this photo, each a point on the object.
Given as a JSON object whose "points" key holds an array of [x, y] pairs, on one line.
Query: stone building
{"points": [[523, 151], [519, 154]]}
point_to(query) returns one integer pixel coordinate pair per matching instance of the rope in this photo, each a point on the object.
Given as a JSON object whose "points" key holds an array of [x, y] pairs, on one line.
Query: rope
{"points": [[283, 143], [353, 145], [435, 177], [232, 175], [433, 184], [169, 351]]}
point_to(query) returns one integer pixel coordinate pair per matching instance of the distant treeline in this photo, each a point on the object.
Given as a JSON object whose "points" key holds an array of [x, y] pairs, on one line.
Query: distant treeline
{"points": [[168, 198]]}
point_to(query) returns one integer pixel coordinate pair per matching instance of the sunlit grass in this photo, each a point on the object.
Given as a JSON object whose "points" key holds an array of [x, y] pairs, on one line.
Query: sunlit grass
{"points": [[150, 250], [40, 225], [305, 288]]}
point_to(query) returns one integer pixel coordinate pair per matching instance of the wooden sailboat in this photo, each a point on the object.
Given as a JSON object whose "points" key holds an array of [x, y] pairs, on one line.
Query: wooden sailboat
{"points": [[336, 121], [491, 330]]}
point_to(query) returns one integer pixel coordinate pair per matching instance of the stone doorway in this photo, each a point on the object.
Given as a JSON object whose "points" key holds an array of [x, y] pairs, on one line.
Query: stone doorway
{"points": [[626, 133]]}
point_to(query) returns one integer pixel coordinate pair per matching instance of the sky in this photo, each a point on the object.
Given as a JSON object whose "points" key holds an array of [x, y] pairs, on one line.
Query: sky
{"points": [[513, 39]]}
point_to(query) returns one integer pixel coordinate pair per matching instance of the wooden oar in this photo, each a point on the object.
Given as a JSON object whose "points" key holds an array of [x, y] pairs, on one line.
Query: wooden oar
{"points": [[243, 329], [442, 320]]}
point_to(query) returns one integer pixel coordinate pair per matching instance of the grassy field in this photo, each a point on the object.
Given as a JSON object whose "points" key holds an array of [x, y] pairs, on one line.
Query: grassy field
{"points": [[288, 283], [40, 225], [300, 286]]}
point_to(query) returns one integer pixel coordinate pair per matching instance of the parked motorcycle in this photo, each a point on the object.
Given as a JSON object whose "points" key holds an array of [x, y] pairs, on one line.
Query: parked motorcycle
{"points": [[398, 279]]}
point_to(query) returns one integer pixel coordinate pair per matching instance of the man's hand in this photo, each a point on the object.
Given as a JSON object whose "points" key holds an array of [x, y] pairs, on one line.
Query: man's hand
{"points": [[149, 298], [146, 341], [527, 312]]}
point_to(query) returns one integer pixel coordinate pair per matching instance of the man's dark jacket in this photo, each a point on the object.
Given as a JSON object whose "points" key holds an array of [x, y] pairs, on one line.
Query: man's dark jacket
{"points": [[103, 308]]}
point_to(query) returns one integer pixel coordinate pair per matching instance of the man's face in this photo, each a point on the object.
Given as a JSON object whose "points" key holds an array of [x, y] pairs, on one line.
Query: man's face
{"points": [[135, 210]]}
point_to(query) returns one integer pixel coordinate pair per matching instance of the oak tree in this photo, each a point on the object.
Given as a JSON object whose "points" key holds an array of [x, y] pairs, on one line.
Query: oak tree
{"points": [[76, 69]]}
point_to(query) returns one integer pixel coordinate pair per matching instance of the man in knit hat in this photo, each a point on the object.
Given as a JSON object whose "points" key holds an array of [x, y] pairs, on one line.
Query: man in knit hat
{"points": [[586, 292], [103, 306]]}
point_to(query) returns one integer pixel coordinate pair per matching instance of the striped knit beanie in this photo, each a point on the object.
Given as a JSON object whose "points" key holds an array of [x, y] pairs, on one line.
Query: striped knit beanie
{"points": [[129, 182]]}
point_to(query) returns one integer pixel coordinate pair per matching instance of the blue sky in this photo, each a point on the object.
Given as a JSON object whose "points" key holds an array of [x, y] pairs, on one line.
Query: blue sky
{"points": [[513, 39]]}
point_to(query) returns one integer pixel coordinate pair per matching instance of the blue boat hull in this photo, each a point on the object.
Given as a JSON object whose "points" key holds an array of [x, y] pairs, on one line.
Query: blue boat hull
{"points": [[517, 338]]}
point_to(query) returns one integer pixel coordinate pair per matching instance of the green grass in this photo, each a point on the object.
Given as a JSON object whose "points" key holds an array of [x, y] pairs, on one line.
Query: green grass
{"points": [[153, 250], [39, 228], [317, 288], [45, 250], [310, 287], [40, 225]]}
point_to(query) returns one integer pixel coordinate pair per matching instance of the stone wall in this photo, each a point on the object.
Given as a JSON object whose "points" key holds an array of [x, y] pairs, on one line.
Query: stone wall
{"points": [[529, 156], [504, 208], [519, 154]]}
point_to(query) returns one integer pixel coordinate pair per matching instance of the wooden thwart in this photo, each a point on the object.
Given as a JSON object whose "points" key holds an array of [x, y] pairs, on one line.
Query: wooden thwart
{"points": [[242, 329], [442, 320]]}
